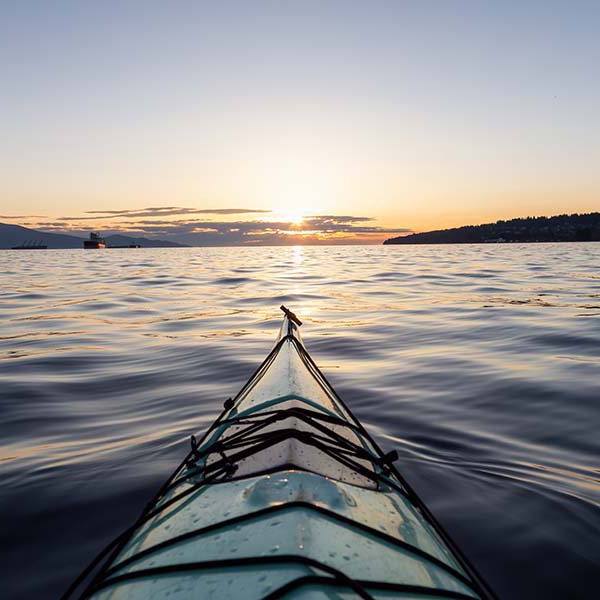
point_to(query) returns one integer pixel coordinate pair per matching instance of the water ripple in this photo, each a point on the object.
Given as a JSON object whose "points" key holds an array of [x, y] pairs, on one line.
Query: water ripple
{"points": [[473, 361]]}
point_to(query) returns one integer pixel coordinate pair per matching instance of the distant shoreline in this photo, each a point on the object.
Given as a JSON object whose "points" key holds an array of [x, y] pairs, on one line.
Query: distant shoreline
{"points": [[529, 230], [487, 243]]}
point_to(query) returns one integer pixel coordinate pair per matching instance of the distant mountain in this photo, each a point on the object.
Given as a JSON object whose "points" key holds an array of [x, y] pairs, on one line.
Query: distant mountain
{"points": [[15, 235], [561, 228], [124, 240]]}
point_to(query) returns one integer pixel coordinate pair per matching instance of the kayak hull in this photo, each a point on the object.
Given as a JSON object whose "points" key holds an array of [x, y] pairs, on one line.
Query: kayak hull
{"points": [[285, 495]]}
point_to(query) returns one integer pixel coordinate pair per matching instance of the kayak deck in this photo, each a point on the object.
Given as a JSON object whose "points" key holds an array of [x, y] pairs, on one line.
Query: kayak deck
{"points": [[285, 495]]}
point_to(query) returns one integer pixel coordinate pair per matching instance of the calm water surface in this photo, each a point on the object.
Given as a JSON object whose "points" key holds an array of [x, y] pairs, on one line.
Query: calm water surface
{"points": [[479, 364]]}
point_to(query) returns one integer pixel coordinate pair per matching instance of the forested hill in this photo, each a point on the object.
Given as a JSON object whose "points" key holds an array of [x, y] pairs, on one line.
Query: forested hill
{"points": [[561, 228]]}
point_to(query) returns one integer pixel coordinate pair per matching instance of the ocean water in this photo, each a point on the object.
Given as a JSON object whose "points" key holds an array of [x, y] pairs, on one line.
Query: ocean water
{"points": [[480, 364]]}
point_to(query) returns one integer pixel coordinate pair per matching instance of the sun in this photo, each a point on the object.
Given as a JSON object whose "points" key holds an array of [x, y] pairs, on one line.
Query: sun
{"points": [[295, 187], [293, 216]]}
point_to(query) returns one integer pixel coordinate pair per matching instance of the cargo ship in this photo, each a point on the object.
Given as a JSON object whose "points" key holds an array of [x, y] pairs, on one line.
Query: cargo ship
{"points": [[94, 242]]}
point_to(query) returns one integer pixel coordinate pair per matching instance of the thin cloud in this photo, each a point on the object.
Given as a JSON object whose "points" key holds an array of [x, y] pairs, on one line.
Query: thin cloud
{"points": [[163, 211], [126, 211], [232, 211], [340, 218], [12, 217]]}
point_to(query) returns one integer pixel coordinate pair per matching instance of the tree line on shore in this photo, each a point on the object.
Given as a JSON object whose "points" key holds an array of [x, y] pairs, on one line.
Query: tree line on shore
{"points": [[560, 228]]}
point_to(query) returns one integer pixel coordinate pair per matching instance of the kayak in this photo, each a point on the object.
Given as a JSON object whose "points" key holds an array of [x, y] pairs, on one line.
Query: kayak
{"points": [[285, 495]]}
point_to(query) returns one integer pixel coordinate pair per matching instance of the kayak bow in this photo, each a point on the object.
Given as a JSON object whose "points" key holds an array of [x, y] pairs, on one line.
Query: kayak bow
{"points": [[286, 495]]}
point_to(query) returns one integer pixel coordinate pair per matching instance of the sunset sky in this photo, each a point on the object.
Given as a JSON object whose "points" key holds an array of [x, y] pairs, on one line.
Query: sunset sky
{"points": [[266, 121]]}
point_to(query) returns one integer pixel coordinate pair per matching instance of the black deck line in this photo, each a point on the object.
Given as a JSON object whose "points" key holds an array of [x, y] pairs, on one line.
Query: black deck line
{"points": [[317, 415], [310, 440], [289, 432], [274, 437], [307, 580], [294, 584], [287, 506], [338, 579], [272, 416], [224, 564]]}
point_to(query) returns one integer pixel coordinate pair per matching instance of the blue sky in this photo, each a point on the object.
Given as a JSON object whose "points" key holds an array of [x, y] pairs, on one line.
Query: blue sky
{"points": [[414, 114]]}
